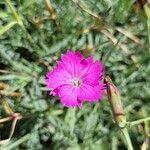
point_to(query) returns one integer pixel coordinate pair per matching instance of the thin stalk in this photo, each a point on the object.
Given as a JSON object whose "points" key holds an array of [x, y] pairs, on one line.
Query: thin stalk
{"points": [[13, 10], [127, 138], [4, 119], [118, 112], [5, 28], [147, 12], [148, 30], [139, 121]]}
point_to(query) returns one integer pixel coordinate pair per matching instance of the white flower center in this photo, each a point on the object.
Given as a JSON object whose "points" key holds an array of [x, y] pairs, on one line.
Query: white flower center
{"points": [[76, 82]]}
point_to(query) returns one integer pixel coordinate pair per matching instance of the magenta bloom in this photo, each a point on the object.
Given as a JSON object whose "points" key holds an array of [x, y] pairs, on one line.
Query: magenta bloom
{"points": [[76, 79]]}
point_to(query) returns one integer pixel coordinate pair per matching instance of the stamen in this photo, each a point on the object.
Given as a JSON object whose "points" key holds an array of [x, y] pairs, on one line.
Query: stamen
{"points": [[76, 82]]}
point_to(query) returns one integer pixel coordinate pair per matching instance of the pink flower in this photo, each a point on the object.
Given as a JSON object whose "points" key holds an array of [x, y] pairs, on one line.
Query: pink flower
{"points": [[76, 79]]}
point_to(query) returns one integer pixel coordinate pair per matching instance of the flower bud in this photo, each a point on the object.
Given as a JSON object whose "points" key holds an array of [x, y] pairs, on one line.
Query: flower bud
{"points": [[115, 102]]}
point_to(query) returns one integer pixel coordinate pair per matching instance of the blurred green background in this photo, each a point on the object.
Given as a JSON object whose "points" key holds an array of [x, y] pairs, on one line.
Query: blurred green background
{"points": [[33, 35]]}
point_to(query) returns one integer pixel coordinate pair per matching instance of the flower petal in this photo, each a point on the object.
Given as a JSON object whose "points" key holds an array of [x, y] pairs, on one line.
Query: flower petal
{"points": [[68, 95], [93, 71], [57, 77], [71, 63], [76, 56], [91, 93]]}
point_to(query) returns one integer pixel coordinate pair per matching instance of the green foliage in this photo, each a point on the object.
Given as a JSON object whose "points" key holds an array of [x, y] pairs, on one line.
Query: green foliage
{"points": [[29, 49]]}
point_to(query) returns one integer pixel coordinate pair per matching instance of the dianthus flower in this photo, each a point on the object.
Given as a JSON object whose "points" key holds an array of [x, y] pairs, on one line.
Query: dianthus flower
{"points": [[76, 79]]}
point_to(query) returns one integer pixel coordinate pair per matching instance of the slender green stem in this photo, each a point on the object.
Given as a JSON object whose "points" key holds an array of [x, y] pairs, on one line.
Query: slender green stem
{"points": [[12, 8], [139, 121], [127, 138], [5, 28], [148, 30], [147, 12]]}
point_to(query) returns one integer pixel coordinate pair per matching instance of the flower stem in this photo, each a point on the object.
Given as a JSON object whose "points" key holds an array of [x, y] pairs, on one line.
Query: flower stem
{"points": [[147, 12], [7, 27], [13, 10], [127, 138], [139, 121], [118, 112]]}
